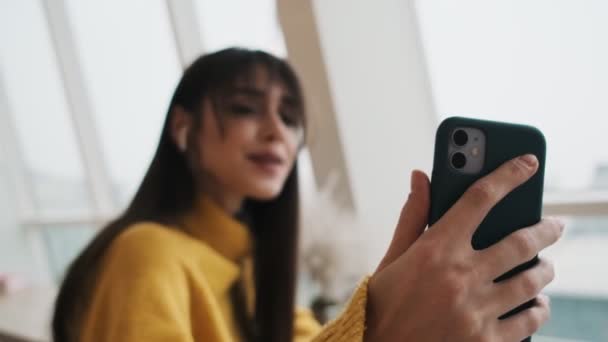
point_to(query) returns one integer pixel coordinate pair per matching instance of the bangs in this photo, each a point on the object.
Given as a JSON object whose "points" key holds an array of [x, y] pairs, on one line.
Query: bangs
{"points": [[244, 73]]}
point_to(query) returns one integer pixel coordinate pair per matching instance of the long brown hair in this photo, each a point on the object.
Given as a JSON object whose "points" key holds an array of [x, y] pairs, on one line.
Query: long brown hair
{"points": [[168, 190]]}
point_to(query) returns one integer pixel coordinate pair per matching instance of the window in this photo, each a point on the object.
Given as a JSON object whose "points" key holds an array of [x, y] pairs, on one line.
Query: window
{"points": [[540, 62], [39, 113], [131, 71]]}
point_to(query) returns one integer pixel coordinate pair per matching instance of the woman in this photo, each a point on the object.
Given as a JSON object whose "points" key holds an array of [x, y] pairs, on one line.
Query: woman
{"points": [[206, 251]]}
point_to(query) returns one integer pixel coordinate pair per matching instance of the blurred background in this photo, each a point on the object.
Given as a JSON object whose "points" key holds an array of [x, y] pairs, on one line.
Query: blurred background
{"points": [[84, 87]]}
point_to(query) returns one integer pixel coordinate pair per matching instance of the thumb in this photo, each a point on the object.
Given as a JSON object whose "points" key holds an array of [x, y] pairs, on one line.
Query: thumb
{"points": [[413, 218]]}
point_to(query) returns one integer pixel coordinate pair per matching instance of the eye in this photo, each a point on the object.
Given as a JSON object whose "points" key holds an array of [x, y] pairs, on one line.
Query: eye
{"points": [[290, 119], [242, 109]]}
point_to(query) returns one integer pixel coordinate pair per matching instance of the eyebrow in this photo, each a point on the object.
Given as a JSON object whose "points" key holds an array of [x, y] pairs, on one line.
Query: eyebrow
{"points": [[255, 92]]}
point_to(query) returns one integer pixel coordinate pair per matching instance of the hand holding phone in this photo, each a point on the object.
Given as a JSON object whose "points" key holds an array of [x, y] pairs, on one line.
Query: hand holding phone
{"points": [[468, 149], [434, 286]]}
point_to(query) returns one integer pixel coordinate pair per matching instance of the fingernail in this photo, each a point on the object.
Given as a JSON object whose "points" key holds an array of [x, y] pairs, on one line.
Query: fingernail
{"points": [[530, 160], [562, 225]]}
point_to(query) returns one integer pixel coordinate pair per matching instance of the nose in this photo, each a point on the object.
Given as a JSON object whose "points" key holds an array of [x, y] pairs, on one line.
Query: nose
{"points": [[272, 126]]}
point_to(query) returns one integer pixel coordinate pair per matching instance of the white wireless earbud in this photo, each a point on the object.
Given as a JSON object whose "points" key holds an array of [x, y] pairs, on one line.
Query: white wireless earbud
{"points": [[182, 139]]}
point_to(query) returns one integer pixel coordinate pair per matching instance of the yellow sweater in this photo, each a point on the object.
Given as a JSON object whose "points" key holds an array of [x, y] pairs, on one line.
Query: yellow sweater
{"points": [[160, 284]]}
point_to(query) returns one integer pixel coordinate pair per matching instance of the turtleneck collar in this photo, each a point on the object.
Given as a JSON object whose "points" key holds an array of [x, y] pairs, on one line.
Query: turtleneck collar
{"points": [[224, 233]]}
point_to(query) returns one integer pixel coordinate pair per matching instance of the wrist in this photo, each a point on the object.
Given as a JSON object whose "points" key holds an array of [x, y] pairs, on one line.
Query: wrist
{"points": [[372, 318]]}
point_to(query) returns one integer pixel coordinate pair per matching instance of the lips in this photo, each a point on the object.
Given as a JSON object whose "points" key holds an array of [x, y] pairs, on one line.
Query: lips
{"points": [[270, 158], [268, 162]]}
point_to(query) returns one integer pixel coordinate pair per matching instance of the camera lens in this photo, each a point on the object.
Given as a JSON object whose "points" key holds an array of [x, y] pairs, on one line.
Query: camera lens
{"points": [[459, 160], [460, 137]]}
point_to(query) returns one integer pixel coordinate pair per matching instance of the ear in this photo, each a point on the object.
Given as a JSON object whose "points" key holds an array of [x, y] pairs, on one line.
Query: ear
{"points": [[180, 125]]}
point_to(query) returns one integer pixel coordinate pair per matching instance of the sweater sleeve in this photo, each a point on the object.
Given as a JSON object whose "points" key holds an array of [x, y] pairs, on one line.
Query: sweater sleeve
{"points": [[141, 295], [305, 325], [349, 326]]}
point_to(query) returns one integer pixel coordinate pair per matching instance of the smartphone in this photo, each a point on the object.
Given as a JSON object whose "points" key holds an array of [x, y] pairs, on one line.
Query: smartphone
{"points": [[469, 149]]}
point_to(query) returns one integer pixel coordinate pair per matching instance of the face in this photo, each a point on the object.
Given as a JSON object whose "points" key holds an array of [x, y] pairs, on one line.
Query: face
{"points": [[252, 149]]}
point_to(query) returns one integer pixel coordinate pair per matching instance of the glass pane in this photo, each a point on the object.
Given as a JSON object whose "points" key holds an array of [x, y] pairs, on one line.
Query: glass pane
{"points": [[15, 256], [245, 23], [579, 293], [39, 110], [536, 62], [63, 244], [131, 67]]}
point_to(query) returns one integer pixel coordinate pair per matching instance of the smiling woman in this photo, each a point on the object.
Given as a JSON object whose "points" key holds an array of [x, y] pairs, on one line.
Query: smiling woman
{"points": [[221, 192]]}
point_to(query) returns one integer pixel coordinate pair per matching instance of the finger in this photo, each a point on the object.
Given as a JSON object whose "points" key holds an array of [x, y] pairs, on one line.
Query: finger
{"points": [[412, 220], [519, 247], [525, 323], [463, 218], [512, 292]]}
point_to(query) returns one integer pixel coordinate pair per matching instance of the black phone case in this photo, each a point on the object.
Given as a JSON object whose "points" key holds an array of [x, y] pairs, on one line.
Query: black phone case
{"points": [[519, 209]]}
